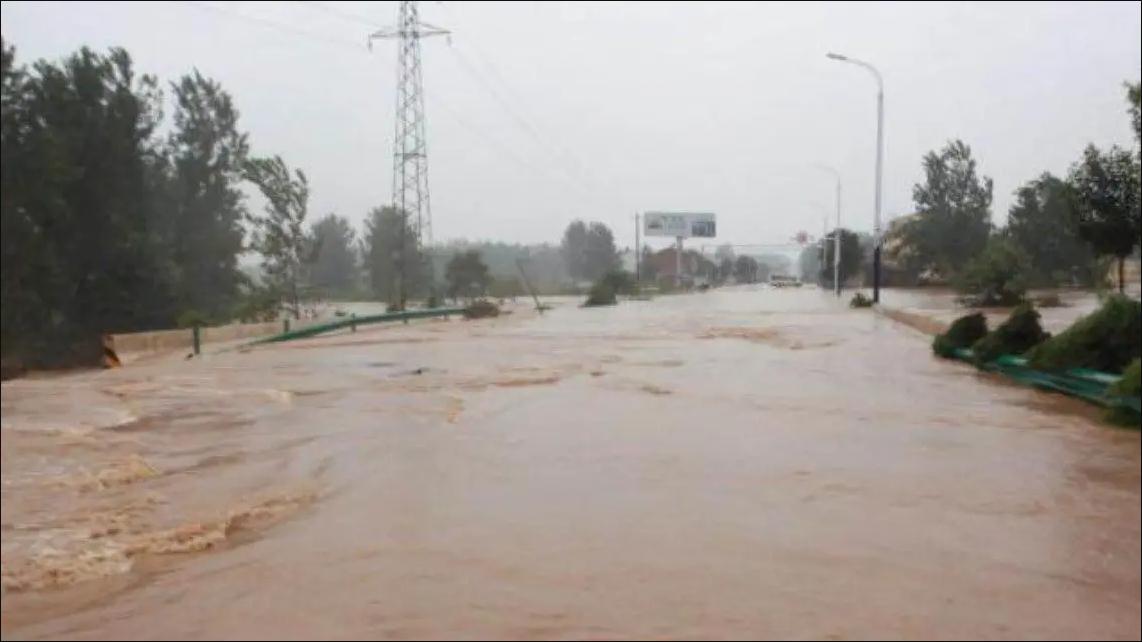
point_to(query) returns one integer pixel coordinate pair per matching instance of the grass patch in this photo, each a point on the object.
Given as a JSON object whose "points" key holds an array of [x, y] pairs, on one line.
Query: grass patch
{"points": [[859, 300]]}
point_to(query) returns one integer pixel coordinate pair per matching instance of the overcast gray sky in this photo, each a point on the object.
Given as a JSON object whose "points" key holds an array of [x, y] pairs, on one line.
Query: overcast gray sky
{"points": [[543, 112]]}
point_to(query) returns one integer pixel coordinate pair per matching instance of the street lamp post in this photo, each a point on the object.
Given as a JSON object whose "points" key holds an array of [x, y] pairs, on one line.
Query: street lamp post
{"points": [[876, 232], [837, 232]]}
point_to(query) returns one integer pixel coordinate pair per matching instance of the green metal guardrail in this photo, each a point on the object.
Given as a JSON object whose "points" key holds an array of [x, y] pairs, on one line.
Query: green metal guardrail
{"points": [[1090, 385], [352, 322]]}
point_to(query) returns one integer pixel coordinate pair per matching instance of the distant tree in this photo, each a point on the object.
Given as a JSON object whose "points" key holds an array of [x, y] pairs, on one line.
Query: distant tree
{"points": [[648, 271], [1043, 222], [334, 266], [954, 211], [206, 151], [746, 269], [589, 250], [1134, 99], [997, 276], [1106, 189], [278, 233], [809, 262], [773, 264], [383, 257], [725, 268], [466, 275], [852, 257], [601, 254], [574, 249]]}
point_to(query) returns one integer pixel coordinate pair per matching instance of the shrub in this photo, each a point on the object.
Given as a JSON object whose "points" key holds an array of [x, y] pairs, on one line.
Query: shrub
{"points": [[1018, 334], [997, 277], [481, 308], [859, 300], [1128, 386], [1108, 339], [621, 281], [602, 293], [432, 302], [963, 332]]}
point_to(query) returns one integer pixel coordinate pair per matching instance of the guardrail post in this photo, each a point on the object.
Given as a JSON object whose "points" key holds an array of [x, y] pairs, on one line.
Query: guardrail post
{"points": [[353, 322], [197, 334]]}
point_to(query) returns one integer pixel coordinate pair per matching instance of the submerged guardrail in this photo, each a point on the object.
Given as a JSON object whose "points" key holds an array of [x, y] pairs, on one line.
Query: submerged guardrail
{"points": [[353, 321], [1091, 385]]}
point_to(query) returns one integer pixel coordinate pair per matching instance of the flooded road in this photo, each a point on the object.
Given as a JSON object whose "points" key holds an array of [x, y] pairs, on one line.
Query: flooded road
{"points": [[735, 464]]}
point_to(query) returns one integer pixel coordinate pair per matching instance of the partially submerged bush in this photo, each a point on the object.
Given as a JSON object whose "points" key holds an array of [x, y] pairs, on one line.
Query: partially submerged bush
{"points": [[859, 300], [1108, 339], [963, 332], [997, 277], [1128, 386], [621, 281], [1018, 334], [481, 308], [602, 293]]}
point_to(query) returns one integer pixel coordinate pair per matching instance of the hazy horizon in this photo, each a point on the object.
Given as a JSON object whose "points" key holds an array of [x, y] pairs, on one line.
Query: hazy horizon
{"points": [[539, 113]]}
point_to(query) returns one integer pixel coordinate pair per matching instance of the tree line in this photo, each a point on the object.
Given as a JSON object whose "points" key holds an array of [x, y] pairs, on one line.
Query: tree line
{"points": [[1059, 231], [114, 219]]}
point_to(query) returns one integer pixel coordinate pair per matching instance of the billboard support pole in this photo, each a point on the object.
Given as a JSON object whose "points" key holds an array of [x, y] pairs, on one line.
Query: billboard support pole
{"points": [[678, 264]]}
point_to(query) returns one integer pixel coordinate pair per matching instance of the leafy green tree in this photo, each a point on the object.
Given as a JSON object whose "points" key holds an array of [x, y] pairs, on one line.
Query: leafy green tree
{"points": [[1043, 222], [954, 207], [205, 235], [81, 255], [390, 253], [334, 267], [279, 234], [852, 257], [466, 275], [1106, 186], [998, 276]]}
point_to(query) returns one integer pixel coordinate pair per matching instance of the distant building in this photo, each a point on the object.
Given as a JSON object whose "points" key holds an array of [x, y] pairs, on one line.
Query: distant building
{"points": [[696, 269]]}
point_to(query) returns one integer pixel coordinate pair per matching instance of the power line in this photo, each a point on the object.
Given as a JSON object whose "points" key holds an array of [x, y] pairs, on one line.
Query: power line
{"points": [[495, 74], [272, 25], [344, 15]]}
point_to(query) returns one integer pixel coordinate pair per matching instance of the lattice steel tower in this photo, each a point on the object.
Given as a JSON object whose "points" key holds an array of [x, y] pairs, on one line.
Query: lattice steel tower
{"points": [[410, 160]]}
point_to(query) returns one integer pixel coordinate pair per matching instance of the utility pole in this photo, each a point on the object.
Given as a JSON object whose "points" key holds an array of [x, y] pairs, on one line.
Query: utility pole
{"points": [[837, 234], [410, 158], [876, 231], [637, 254]]}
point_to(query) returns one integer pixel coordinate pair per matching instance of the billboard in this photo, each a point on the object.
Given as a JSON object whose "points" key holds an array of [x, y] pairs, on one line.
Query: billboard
{"points": [[683, 224]]}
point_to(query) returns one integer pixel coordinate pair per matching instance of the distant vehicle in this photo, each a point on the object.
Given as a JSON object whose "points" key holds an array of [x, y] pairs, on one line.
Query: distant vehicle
{"points": [[784, 281]]}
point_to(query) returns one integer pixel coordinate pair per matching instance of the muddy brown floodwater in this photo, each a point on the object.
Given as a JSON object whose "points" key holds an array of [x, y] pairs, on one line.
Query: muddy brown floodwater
{"points": [[742, 463]]}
